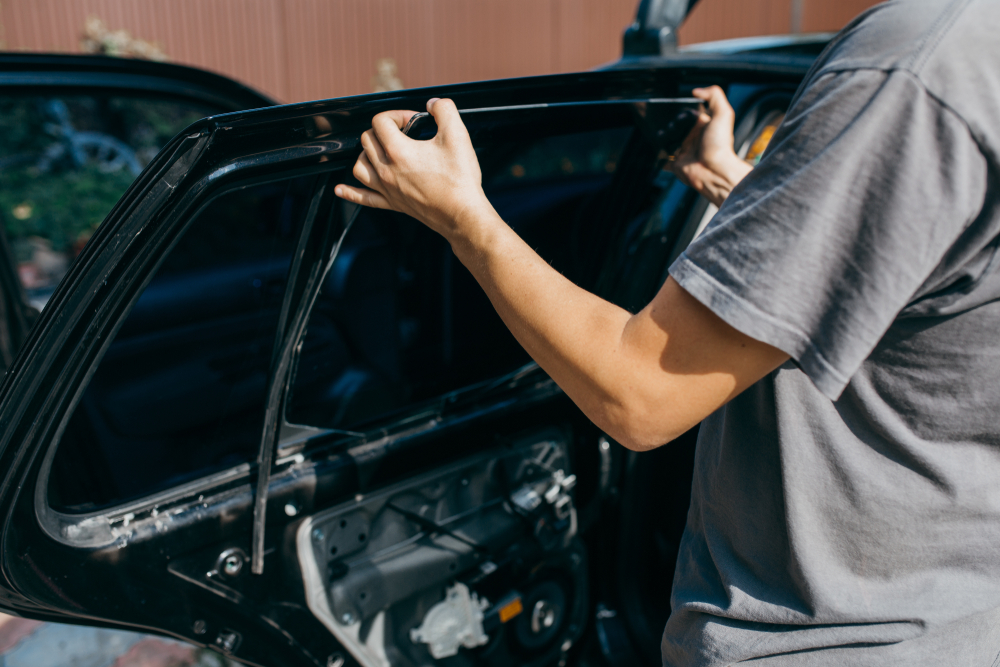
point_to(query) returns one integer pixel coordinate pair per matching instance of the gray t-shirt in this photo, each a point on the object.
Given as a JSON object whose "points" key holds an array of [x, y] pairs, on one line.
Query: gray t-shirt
{"points": [[846, 508]]}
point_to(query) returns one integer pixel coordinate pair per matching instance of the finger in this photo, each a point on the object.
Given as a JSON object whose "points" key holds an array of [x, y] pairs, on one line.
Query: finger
{"points": [[718, 105], [431, 102], [373, 148], [446, 115], [362, 196], [388, 127], [366, 174]]}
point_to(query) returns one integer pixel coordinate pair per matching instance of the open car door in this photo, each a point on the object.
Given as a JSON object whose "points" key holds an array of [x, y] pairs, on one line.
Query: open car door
{"points": [[259, 419]]}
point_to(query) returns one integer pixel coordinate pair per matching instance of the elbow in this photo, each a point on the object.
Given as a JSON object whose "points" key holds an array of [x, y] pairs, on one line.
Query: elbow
{"points": [[641, 428], [638, 440]]}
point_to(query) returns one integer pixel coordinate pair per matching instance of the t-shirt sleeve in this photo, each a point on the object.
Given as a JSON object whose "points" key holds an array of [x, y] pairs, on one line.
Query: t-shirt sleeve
{"points": [[864, 188]]}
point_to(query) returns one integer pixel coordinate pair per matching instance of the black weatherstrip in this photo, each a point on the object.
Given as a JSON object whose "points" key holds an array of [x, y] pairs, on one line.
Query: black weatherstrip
{"points": [[318, 247]]}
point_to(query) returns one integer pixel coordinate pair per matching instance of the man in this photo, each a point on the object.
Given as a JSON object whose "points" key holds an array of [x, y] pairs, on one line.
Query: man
{"points": [[835, 328]]}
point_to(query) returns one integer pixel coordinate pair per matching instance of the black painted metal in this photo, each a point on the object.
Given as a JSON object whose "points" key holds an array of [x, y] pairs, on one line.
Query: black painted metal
{"points": [[654, 31], [76, 72]]}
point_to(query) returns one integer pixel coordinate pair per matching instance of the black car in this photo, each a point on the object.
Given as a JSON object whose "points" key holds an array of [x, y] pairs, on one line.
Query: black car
{"points": [[254, 417]]}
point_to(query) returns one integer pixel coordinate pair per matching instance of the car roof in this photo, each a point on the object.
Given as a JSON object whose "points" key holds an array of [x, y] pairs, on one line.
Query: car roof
{"points": [[805, 44], [78, 70], [794, 51]]}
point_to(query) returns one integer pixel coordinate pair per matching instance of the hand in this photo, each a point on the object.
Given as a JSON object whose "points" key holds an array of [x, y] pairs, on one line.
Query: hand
{"points": [[707, 161], [437, 181]]}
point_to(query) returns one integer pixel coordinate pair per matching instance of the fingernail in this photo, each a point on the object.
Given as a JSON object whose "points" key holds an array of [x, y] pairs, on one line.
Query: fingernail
{"points": [[431, 102], [338, 191]]}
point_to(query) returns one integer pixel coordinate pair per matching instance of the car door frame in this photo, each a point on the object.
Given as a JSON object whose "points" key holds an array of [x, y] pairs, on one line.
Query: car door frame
{"points": [[48, 376]]}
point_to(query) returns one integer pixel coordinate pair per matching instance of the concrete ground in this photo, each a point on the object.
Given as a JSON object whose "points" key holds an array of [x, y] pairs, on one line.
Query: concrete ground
{"points": [[25, 643]]}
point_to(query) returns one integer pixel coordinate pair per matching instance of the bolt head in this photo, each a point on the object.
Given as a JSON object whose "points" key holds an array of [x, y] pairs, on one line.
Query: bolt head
{"points": [[291, 509], [317, 534], [335, 660], [200, 627], [232, 565], [347, 618]]}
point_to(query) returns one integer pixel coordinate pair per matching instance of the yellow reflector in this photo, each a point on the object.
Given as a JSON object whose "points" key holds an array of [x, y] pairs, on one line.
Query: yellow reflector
{"points": [[510, 610], [762, 140]]}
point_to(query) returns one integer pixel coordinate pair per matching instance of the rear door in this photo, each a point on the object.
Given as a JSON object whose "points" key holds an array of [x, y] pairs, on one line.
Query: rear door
{"points": [[258, 419], [75, 131]]}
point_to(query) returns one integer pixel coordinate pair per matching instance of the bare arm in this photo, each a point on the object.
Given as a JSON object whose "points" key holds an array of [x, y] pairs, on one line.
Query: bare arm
{"points": [[645, 378]]}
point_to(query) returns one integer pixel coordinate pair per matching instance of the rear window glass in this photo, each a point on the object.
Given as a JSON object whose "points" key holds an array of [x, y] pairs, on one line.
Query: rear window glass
{"points": [[65, 160], [181, 389]]}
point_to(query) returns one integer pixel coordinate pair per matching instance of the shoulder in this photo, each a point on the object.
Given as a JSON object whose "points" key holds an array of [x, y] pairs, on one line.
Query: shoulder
{"points": [[947, 47], [908, 34]]}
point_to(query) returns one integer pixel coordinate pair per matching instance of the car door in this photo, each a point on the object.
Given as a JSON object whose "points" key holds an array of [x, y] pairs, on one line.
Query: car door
{"points": [[76, 131], [258, 419]]}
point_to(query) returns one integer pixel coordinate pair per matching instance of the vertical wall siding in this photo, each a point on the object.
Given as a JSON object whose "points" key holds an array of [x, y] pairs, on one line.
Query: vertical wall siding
{"points": [[714, 19], [309, 49], [819, 16]]}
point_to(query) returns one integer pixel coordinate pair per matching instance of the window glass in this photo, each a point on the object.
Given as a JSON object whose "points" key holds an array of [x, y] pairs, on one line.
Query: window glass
{"points": [[581, 153], [64, 163], [181, 389], [400, 320]]}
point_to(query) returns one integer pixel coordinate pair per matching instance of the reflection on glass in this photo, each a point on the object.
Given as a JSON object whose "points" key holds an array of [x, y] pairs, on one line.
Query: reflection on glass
{"points": [[64, 163], [580, 153]]}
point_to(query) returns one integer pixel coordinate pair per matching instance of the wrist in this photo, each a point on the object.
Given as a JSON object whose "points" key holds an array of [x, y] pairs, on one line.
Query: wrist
{"points": [[730, 173], [473, 229]]}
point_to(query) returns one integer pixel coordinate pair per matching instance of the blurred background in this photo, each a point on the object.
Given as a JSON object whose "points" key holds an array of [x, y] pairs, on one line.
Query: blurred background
{"points": [[291, 50], [298, 50]]}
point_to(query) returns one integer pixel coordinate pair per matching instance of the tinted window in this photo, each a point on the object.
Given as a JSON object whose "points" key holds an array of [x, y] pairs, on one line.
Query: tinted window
{"points": [[400, 320], [180, 391], [64, 163]]}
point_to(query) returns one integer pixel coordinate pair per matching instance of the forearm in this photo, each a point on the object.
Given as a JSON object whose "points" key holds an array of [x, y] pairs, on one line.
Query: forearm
{"points": [[586, 344]]}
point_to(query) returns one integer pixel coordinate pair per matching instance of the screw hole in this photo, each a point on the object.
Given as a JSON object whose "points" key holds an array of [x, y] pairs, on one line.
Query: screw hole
{"points": [[333, 551], [363, 595], [362, 537], [452, 567], [343, 523]]}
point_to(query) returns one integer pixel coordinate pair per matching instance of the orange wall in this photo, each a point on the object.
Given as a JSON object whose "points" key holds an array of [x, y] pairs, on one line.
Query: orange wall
{"points": [[309, 49]]}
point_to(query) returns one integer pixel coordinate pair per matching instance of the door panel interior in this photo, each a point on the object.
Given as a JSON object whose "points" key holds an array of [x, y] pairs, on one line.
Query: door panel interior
{"points": [[502, 523]]}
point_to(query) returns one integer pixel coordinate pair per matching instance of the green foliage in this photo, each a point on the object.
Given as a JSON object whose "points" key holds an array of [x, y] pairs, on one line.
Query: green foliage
{"points": [[65, 202], [64, 206]]}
